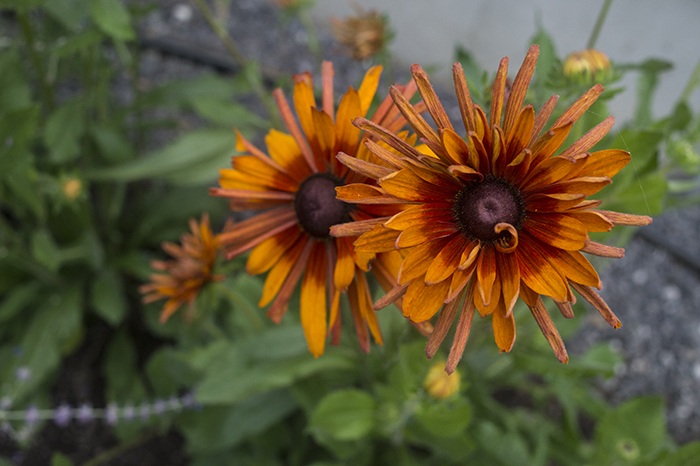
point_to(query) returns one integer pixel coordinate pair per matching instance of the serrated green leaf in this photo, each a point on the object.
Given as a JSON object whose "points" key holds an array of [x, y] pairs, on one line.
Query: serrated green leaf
{"points": [[107, 296], [176, 159], [344, 415], [112, 17], [64, 128]]}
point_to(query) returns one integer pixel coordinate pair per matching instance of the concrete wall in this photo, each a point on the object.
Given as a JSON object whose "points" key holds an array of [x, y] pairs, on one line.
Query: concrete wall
{"points": [[427, 31]]}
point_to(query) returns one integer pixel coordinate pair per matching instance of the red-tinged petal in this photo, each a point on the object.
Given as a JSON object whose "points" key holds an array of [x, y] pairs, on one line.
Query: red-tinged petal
{"points": [[459, 280], [447, 260], [313, 300], [582, 185], [519, 135], [430, 98], [436, 177], [464, 98], [546, 173], [519, 89], [290, 122], [266, 254], [597, 302], [422, 232], [367, 169], [559, 230], [516, 170], [327, 74], [414, 118], [539, 202], [486, 273], [527, 295], [606, 163], [379, 239], [248, 171], [324, 129], [537, 273], [572, 264], [591, 138], [494, 299], [442, 327], [419, 259], [470, 254], [592, 221], [499, 154], [503, 328], [618, 218], [579, 107], [541, 118], [565, 308], [422, 213], [464, 326], [385, 155], [391, 296], [499, 86], [539, 312], [280, 271], [366, 309], [422, 301], [509, 274], [388, 137], [549, 143], [603, 250], [405, 184], [256, 226], [360, 193]]}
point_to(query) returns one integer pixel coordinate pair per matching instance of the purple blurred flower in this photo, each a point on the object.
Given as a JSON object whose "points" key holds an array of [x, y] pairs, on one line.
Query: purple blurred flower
{"points": [[129, 412], [5, 403], [111, 414], [84, 414], [159, 407], [31, 415], [23, 373], [62, 415], [145, 411]]}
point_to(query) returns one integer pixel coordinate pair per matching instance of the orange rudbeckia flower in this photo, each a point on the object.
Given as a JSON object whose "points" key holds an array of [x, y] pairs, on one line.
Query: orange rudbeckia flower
{"points": [[294, 187], [493, 216], [191, 270]]}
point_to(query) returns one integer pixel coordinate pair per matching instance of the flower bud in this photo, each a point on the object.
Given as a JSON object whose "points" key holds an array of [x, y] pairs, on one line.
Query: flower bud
{"points": [[587, 66], [439, 384]]}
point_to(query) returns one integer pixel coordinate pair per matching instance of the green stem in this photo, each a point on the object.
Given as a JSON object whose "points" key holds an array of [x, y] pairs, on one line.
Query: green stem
{"points": [[599, 24], [250, 313], [693, 82], [36, 59], [312, 33], [241, 60]]}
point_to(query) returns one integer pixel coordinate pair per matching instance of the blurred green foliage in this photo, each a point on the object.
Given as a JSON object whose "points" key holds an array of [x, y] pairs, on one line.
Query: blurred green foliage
{"points": [[86, 200]]}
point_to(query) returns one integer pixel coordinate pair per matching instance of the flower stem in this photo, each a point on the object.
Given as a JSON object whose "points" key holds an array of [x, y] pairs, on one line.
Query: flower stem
{"points": [[693, 82], [244, 307], [599, 24], [28, 33], [241, 60]]}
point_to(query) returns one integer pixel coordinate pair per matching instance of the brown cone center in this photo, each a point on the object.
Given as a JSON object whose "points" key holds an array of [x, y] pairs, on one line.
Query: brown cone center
{"points": [[317, 207], [480, 206]]}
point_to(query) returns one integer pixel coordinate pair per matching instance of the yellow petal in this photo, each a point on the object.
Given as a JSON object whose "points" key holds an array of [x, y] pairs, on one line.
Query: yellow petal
{"points": [[422, 301], [503, 329], [313, 300]]}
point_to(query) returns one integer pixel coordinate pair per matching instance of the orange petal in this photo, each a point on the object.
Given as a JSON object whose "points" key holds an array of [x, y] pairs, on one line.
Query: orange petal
{"points": [[503, 329], [579, 107], [344, 270], [281, 269], [447, 260], [559, 230], [606, 163], [542, 117], [359, 193], [442, 121], [422, 301], [313, 300], [519, 89], [509, 274], [625, 219], [379, 239], [486, 273], [593, 221], [266, 254], [603, 250], [290, 122], [494, 300], [284, 151], [368, 88], [539, 202], [280, 304], [405, 184], [462, 331], [347, 135], [597, 302], [464, 98], [422, 213], [419, 259], [591, 138], [442, 327], [539, 312], [499, 86], [519, 135], [537, 273], [414, 118], [422, 232]]}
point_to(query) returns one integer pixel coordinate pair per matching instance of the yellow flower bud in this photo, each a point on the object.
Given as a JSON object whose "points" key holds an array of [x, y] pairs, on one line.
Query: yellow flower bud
{"points": [[439, 384], [72, 188], [586, 65]]}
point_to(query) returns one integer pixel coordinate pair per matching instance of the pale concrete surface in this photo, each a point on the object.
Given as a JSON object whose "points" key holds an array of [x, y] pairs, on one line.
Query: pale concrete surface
{"points": [[427, 32]]}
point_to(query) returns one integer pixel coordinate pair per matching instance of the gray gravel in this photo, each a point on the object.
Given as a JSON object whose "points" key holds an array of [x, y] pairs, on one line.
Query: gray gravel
{"points": [[655, 295]]}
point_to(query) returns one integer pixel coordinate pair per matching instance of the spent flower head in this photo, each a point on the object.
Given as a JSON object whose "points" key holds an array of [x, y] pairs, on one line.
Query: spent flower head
{"points": [[363, 35]]}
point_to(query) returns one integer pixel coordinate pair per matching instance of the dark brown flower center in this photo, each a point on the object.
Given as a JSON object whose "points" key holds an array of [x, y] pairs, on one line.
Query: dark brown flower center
{"points": [[316, 206], [480, 206]]}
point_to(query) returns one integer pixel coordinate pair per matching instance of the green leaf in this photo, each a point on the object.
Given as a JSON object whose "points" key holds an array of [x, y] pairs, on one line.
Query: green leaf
{"points": [[107, 296], [646, 197], [21, 4], [227, 113], [176, 159], [186, 91], [45, 251], [344, 415], [445, 419], [79, 43], [59, 459], [682, 152], [686, 456], [112, 18], [646, 87], [14, 90], [70, 13], [632, 432], [218, 428], [18, 298], [64, 128], [120, 370], [113, 144]]}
